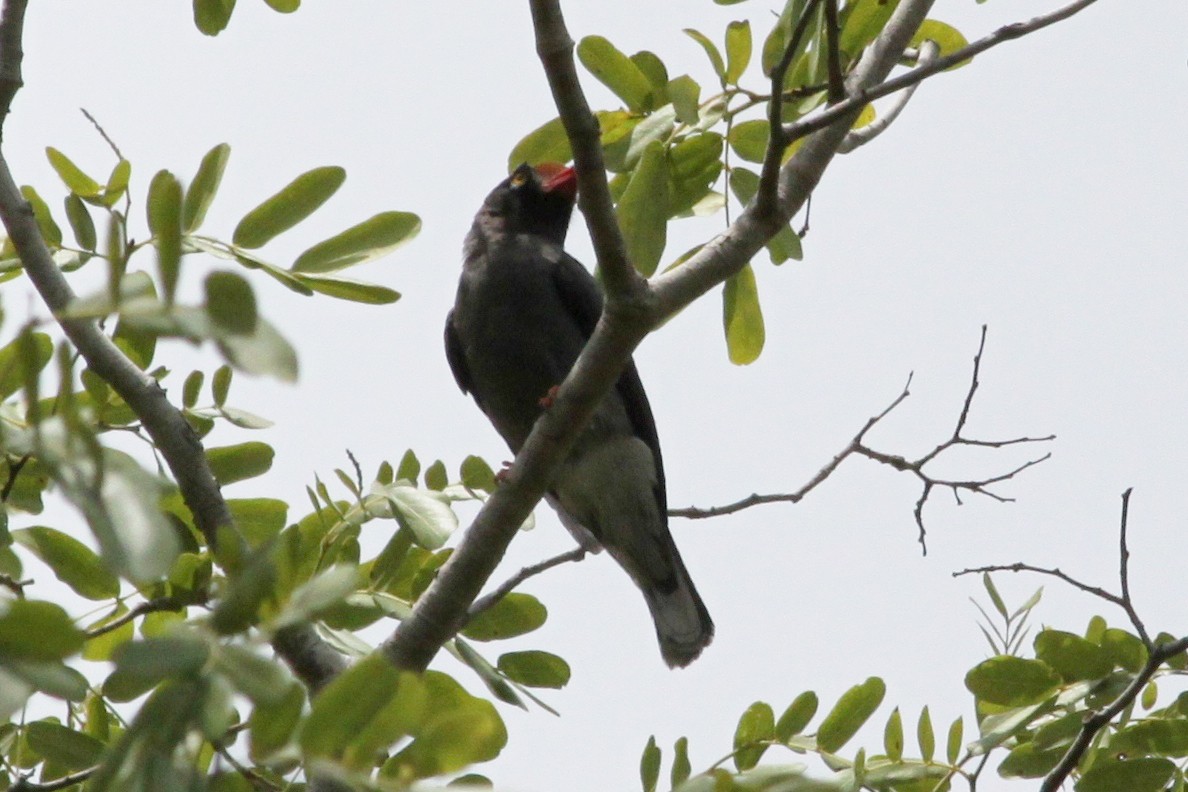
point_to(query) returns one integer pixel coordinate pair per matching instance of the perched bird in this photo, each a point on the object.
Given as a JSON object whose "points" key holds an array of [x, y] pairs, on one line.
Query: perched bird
{"points": [[523, 313]]}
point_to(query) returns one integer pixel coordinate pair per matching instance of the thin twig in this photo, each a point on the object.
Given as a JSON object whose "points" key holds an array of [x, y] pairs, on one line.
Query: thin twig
{"points": [[1055, 572], [856, 138], [150, 606], [928, 481], [505, 588], [65, 782], [766, 197], [14, 470], [1124, 570], [102, 132], [799, 129]]}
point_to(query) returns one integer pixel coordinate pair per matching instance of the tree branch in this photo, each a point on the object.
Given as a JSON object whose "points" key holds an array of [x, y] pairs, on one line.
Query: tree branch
{"points": [[509, 585], [864, 96], [1122, 600], [1098, 720], [170, 431], [859, 447], [442, 609], [860, 137], [555, 49]]}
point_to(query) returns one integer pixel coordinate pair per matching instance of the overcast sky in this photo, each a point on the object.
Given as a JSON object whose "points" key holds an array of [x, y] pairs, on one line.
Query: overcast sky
{"points": [[1041, 190]]}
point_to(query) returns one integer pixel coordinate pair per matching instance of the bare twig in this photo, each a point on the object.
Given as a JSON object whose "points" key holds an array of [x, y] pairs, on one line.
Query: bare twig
{"points": [[1122, 600], [150, 606], [694, 513], [928, 481], [65, 782], [1098, 720], [102, 133], [14, 470], [860, 137], [837, 88], [488, 600], [17, 587], [555, 49], [767, 197], [799, 129]]}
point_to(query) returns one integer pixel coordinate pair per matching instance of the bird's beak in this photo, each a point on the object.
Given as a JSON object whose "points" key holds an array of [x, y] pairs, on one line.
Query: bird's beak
{"points": [[557, 178]]}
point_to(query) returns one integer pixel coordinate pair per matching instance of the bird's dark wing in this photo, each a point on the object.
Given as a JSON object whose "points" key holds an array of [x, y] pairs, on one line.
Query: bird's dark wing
{"points": [[456, 357], [583, 299]]}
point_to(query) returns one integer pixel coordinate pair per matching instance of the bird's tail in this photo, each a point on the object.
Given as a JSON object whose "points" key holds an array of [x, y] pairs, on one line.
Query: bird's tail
{"points": [[683, 624]]}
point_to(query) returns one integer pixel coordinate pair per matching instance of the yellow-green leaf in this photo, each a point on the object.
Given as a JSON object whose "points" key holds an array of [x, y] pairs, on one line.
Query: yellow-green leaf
{"points": [[742, 317], [374, 237], [616, 71], [71, 175], [738, 50], [296, 201], [643, 210], [204, 186]]}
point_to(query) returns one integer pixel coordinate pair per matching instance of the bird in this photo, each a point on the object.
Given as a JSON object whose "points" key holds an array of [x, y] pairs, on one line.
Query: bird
{"points": [[524, 310]]}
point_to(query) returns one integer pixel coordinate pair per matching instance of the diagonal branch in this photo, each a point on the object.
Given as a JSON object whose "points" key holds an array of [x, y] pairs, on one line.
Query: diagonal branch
{"points": [[866, 95], [860, 137], [555, 49], [442, 609], [509, 585], [170, 431]]}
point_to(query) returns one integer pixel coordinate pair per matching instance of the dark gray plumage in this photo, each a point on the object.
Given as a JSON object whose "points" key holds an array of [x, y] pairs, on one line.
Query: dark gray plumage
{"points": [[523, 313]]}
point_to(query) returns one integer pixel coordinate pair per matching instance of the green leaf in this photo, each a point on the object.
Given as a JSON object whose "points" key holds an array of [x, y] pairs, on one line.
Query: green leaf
{"points": [[546, 143], [37, 630], [681, 768], [212, 16], [81, 223], [749, 139], [1012, 681], [861, 23], [616, 71], [436, 477], [753, 734], [262, 680], [71, 175], [71, 561], [711, 51], [45, 221], [13, 366], [649, 765], [1028, 760], [925, 736], [686, 97], [953, 744], [643, 210], [230, 303], [742, 318], [363, 710], [103, 647], [477, 474], [1160, 737], [204, 186], [948, 38], [1148, 774], [264, 351], [272, 725], [696, 163], [70, 750], [657, 73], [347, 289], [426, 513], [409, 467], [284, 6], [738, 50], [1071, 656], [52, 678], [515, 614], [165, 222], [325, 590], [258, 519], [1125, 650], [368, 240], [296, 201], [142, 665], [239, 462], [852, 710], [117, 184], [995, 597], [893, 737], [797, 716], [220, 385], [535, 669]]}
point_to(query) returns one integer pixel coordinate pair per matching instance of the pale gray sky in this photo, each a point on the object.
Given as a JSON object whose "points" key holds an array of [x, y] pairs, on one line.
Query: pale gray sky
{"points": [[1040, 190]]}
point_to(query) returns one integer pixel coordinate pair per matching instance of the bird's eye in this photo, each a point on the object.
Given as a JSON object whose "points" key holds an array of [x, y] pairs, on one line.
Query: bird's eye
{"points": [[519, 179]]}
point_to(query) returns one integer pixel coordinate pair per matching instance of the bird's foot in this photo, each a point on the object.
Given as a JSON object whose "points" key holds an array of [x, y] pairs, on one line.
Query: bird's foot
{"points": [[501, 474], [547, 400]]}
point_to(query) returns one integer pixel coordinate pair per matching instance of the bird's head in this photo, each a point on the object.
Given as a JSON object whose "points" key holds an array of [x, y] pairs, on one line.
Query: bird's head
{"points": [[534, 200]]}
